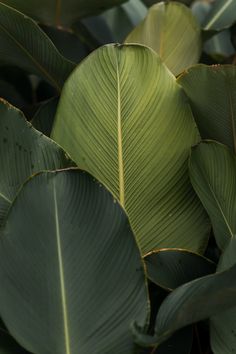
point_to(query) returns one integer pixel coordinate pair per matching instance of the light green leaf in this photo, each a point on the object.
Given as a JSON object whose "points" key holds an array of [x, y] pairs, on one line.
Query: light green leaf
{"points": [[173, 32], [212, 169], [170, 268], [23, 152], [123, 118], [60, 12], [25, 45], [221, 15], [212, 94], [71, 274]]}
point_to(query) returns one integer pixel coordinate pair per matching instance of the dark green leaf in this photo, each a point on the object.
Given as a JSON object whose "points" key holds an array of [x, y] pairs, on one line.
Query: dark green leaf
{"points": [[71, 274], [170, 268], [212, 94], [25, 45], [23, 152], [212, 169]]}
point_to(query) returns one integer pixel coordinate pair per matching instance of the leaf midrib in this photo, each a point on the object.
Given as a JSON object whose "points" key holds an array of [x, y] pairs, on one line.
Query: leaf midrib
{"points": [[218, 14], [119, 141], [61, 276]]}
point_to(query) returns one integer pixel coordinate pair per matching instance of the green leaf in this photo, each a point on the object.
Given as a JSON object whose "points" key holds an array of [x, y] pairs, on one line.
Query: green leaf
{"points": [[170, 268], [219, 47], [222, 15], [173, 32], [23, 152], [212, 169], [223, 326], [123, 118], [44, 117], [60, 12], [212, 94], [192, 302], [72, 278], [25, 45]]}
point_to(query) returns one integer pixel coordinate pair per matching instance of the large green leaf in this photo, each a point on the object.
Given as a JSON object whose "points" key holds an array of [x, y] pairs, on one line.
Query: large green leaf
{"points": [[24, 44], [212, 171], [60, 12], [71, 274], [223, 326], [123, 118], [221, 15], [170, 268], [192, 302], [173, 32], [212, 94], [23, 152]]}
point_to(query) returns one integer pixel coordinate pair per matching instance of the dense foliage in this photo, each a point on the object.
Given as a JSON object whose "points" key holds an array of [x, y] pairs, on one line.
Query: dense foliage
{"points": [[117, 177]]}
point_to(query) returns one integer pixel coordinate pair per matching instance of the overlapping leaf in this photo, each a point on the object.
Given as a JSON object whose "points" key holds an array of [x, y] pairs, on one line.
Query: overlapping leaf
{"points": [[24, 44], [212, 94], [170, 268], [212, 171], [23, 152], [123, 118], [72, 275], [60, 12], [221, 15], [173, 32]]}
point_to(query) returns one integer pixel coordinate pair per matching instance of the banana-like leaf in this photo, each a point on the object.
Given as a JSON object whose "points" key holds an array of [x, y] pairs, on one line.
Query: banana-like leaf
{"points": [[221, 15], [192, 302], [23, 152], [170, 268], [173, 32], [223, 326], [123, 118], [72, 277], [60, 12], [212, 94], [212, 169], [24, 44]]}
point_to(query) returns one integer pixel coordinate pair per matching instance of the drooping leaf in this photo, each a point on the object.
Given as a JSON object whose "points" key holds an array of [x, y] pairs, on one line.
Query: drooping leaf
{"points": [[25, 45], [170, 268], [221, 15], [223, 325], [212, 94], [192, 302], [72, 277], [23, 152], [212, 169], [173, 32], [123, 118], [60, 12], [44, 117]]}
